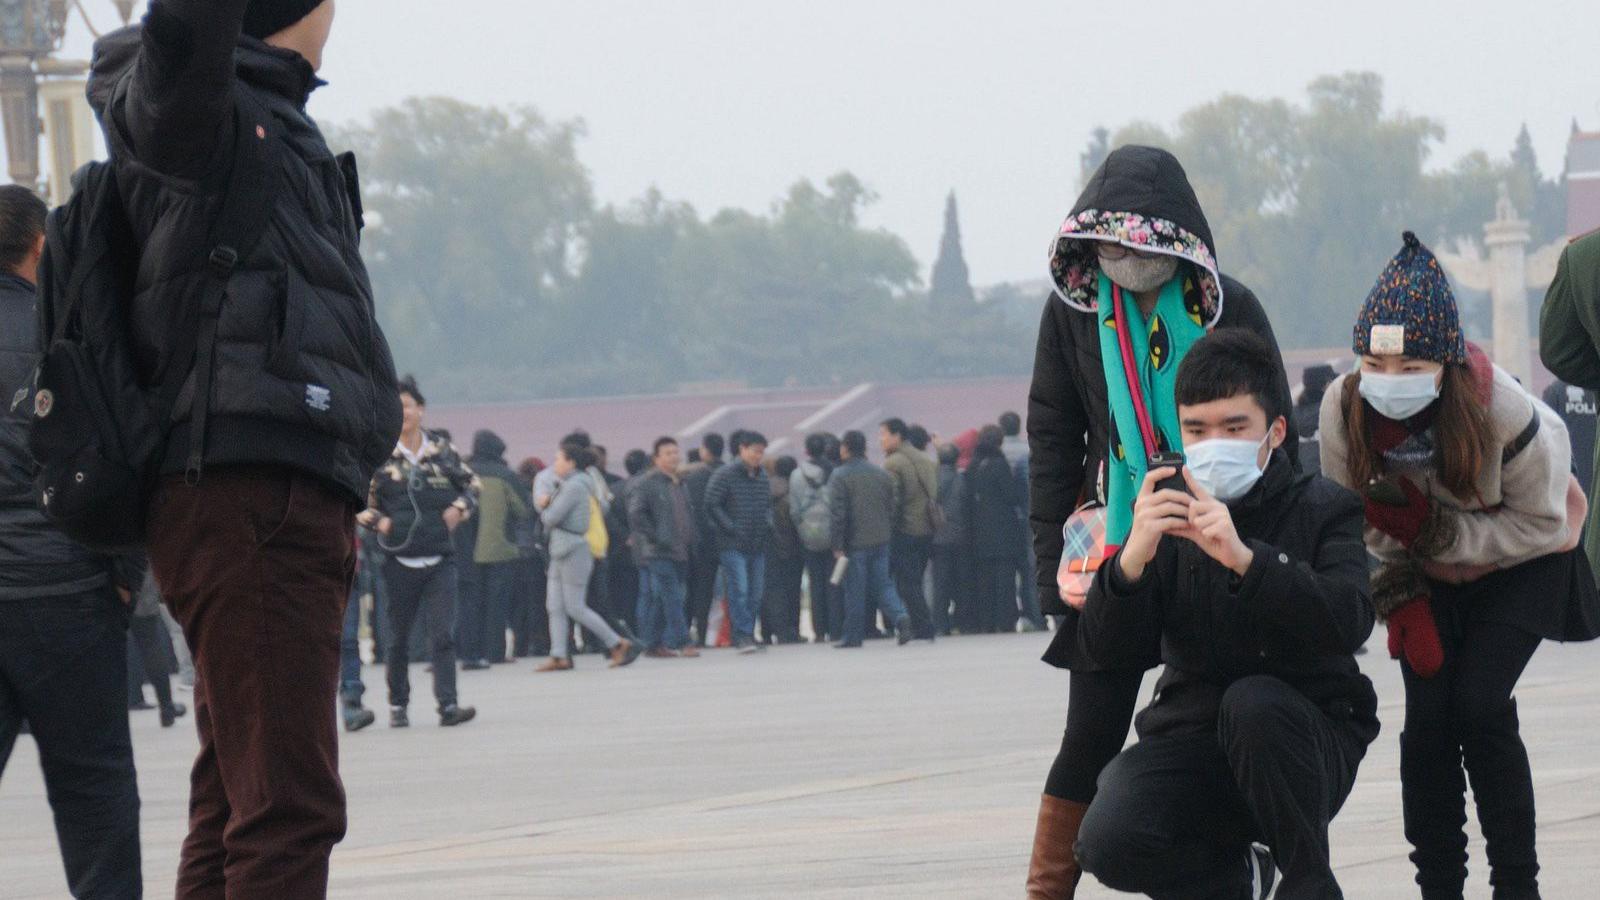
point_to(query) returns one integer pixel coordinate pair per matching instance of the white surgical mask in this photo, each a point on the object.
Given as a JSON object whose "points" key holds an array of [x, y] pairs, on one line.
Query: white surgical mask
{"points": [[1225, 467], [1399, 396]]}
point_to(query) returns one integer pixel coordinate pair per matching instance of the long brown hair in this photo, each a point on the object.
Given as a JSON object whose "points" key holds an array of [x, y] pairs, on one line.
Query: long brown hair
{"points": [[1462, 432]]}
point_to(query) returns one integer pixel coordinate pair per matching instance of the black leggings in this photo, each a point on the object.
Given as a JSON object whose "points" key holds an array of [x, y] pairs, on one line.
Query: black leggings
{"points": [[1464, 718], [1099, 711]]}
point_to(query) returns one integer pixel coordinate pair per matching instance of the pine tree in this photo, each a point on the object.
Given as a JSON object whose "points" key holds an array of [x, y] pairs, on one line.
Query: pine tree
{"points": [[1523, 158], [950, 288]]}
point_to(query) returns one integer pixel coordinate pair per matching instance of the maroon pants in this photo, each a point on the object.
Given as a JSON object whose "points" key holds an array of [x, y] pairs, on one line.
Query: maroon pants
{"points": [[256, 565]]}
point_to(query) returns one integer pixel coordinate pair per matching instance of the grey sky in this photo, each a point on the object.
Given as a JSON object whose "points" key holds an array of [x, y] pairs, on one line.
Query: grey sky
{"points": [[727, 103]]}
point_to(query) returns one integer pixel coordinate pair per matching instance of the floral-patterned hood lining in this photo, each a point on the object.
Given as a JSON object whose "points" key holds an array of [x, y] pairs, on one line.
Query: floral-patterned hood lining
{"points": [[1075, 267]]}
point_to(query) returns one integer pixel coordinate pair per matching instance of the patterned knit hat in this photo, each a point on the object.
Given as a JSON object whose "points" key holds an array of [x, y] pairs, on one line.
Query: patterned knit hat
{"points": [[1411, 311]]}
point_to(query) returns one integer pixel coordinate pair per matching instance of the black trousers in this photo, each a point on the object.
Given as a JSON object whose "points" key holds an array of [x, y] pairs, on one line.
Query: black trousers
{"points": [[530, 622], [997, 591], [908, 564], [824, 617], [472, 610], [150, 659], [430, 592], [1175, 816], [947, 576], [780, 608], [622, 580], [498, 583], [1462, 724], [704, 562], [64, 670], [1099, 711]]}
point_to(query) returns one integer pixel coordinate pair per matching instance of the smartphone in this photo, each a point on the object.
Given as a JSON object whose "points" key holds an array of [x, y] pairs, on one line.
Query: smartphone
{"points": [[1173, 482]]}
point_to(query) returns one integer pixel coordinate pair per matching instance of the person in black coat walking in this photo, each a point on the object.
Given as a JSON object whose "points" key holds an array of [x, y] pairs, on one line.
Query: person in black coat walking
{"points": [[63, 610], [1138, 227], [995, 517]]}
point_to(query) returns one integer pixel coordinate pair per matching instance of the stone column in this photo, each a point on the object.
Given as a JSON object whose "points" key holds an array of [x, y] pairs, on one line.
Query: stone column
{"points": [[1507, 240]]}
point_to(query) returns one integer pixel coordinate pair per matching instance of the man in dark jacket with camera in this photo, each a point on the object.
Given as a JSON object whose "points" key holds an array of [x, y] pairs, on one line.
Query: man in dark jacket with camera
{"points": [[63, 626], [417, 501], [254, 548], [1250, 580]]}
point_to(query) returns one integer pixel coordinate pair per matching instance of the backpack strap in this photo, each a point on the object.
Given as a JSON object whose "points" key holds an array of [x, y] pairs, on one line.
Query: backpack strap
{"points": [[247, 201], [1522, 440]]}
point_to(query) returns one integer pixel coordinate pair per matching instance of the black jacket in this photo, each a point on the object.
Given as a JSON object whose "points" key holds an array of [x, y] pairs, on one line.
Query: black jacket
{"points": [[994, 500], [415, 497], [696, 478], [861, 499], [739, 504], [1299, 613], [953, 499], [1069, 419], [651, 516], [35, 559], [303, 373]]}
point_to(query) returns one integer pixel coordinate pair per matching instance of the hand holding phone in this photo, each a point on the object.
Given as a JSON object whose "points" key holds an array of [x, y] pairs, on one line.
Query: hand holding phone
{"points": [[1175, 481]]}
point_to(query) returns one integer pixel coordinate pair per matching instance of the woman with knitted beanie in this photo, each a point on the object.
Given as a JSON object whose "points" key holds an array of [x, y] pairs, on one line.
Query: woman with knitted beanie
{"points": [[1474, 517]]}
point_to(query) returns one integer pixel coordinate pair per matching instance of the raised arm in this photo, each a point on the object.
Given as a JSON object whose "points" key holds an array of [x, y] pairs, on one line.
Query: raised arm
{"points": [[177, 109]]}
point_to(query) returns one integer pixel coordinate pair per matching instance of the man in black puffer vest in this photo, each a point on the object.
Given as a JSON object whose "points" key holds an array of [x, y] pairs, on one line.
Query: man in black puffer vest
{"points": [[255, 556]]}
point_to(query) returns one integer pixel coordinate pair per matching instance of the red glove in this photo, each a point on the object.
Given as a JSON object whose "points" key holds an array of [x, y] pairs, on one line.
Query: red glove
{"points": [[1403, 523], [1414, 634]]}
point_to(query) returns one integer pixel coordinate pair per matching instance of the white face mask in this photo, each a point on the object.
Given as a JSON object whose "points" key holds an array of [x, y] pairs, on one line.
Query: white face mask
{"points": [[1225, 467], [1399, 397]]}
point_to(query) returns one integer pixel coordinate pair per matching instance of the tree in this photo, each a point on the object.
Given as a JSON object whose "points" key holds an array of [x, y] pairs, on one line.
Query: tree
{"points": [[950, 287], [480, 214], [1094, 154], [1307, 201]]}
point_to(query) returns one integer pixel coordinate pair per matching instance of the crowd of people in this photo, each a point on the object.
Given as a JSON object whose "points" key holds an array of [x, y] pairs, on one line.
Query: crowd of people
{"points": [[205, 433], [726, 545]]}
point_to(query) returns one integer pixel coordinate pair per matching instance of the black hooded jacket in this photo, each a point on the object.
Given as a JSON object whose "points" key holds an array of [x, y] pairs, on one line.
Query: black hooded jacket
{"points": [[36, 560], [303, 374], [1138, 193], [1298, 614]]}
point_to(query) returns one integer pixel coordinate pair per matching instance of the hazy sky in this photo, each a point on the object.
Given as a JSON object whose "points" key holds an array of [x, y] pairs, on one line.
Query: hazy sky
{"points": [[728, 103]]}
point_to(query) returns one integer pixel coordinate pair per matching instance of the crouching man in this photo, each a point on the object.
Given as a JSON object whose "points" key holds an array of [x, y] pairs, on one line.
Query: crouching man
{"points": [[1251, 584]]}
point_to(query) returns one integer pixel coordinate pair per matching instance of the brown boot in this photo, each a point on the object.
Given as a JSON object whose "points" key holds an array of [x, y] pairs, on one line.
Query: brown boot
{"points": [[1053, 872]]}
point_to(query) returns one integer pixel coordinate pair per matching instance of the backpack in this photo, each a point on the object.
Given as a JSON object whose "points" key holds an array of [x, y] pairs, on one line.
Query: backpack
{"points": [[816, 519], [98, 433], [598, 537]]}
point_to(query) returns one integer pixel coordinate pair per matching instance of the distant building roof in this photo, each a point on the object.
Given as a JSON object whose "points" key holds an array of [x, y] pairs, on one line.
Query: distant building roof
{"points": [[1583, 182]]}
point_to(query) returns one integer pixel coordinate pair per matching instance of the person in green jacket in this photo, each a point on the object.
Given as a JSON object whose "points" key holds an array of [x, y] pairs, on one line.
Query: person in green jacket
{"points": [[1569, 340], [501, 506]]}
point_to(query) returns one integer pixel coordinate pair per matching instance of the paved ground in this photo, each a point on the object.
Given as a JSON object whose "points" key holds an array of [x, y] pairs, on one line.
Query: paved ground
{"points": [[805, 772]]}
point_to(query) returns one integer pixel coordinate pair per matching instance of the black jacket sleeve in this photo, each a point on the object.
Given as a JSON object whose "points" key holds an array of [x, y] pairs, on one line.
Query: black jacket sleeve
{"points": [[179, 104], [1058, 429], [1323, 605], [1241, 309], [839, 510], [1120, 625]]}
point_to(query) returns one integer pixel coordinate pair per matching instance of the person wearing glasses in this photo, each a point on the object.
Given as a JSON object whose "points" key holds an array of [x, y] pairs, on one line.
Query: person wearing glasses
{"points": [[1135, 269]]}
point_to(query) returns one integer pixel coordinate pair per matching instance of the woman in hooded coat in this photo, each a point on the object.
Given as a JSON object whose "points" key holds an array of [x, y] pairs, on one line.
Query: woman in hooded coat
{"points": [[1136, 284]]}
